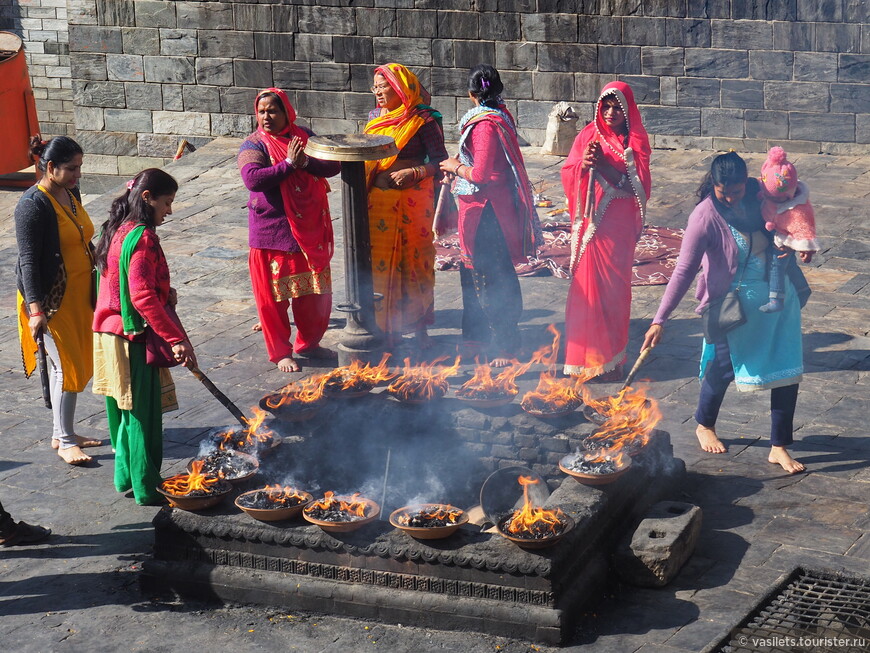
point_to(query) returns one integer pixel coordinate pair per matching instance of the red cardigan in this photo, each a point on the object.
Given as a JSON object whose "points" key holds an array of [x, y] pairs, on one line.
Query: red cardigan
{"points": [[149, 288]]}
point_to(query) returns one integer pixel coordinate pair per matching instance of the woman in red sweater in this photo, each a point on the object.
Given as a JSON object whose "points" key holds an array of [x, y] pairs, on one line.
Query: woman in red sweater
{"points": [[134, 290], [498, 224]]}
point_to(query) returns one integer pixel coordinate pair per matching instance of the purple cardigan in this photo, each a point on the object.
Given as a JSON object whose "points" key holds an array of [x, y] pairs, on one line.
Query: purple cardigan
{"points": [[267, 221], [708, 245]]}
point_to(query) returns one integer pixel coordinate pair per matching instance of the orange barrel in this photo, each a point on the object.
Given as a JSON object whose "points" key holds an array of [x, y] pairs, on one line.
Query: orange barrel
{"points": [[18, 120]]}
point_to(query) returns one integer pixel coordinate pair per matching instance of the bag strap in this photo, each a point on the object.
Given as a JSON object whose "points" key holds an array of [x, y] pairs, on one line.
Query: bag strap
{"points": [[745, 265]]}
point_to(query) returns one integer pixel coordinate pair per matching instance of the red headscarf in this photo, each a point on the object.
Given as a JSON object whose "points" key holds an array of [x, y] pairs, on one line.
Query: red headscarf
{"points": [[575, 180], [304, 195]]}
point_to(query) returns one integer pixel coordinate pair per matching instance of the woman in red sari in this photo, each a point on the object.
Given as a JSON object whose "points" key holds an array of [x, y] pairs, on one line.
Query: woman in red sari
{"points": [[613, 153], [289, 232]]}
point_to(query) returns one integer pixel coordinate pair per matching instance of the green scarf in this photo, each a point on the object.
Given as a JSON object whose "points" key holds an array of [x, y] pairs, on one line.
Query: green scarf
{"points": [[133, 322]]}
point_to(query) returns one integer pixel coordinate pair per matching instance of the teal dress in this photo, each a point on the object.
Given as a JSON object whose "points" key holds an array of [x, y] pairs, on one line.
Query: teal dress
{"points": [[767, 351]]}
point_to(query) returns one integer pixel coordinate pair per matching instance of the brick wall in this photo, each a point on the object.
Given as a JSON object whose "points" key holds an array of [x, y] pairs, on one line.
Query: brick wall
{"points": [[708, 73]]}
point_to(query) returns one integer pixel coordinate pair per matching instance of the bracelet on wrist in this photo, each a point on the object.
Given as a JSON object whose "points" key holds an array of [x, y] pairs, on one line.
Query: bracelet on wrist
{"points": [[37, 314]]}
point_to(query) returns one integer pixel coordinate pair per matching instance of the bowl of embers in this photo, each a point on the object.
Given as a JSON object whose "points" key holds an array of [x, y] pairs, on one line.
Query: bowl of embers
{"points": [[273, 502], [428, 521]]}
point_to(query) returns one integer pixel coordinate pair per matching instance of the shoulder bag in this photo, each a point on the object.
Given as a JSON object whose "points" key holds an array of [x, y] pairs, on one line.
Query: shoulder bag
{"points": [[725, 313]]}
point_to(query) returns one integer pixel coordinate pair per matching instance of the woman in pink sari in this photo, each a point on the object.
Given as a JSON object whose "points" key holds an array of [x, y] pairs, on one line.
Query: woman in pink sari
{"points": [[612, 153]]}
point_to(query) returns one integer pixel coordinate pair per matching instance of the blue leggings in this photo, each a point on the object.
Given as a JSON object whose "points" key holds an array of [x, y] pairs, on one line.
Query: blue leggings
{"points": [[720, 374]]}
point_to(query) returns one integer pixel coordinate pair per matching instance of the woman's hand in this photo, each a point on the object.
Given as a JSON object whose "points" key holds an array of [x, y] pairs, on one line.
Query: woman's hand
{"points": [[404, 178], [295, 154], [448, 166], [183, 352], [653, 336], [37, 324], [592, 155]]}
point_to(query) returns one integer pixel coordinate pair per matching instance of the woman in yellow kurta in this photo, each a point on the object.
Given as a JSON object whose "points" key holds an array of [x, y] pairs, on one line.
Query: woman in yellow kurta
{"points": [[55, 286], [401, 203]]}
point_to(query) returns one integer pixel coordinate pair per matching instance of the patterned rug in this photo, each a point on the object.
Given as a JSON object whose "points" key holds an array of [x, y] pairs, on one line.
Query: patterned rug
{"points": [[654, 257]]}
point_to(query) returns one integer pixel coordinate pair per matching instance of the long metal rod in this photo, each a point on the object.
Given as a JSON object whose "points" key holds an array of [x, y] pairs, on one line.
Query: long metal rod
{"points": [[384, 491]]}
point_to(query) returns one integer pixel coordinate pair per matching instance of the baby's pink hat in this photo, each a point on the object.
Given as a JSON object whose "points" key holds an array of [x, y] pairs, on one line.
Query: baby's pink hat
{"points": [[778, 175]]}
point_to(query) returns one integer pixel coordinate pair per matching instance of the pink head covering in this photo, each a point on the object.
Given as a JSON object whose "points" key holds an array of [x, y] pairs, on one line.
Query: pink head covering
{"points": [[778, 175]]}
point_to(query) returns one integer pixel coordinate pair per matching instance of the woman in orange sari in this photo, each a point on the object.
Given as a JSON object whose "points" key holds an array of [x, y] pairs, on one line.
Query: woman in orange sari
{"points": [[401, 204], [613, 153]]}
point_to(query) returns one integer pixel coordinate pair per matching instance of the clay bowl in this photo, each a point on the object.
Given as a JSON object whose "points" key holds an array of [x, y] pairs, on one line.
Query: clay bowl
{"points": [[240, 456], [272, 514], [373, 511], [286, 414], [536, 544], [593, 479], [594, 416], [486, 403], [347, 394], [553, 415], [427, 532], [184, 502]]}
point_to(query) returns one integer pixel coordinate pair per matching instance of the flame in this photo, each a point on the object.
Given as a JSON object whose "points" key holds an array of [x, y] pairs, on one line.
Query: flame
{"points": [[483, 386], [250, 437], [182, 484], [423, 381], [533, 519], [617, 456], [446, 513], [357, 375], [305, 391], [283, 495], [351, 505], [552, 394], [631, 416]]}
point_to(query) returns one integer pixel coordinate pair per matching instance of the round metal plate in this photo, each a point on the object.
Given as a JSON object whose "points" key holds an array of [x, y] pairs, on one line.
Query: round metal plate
{"points": [[351, 147]]}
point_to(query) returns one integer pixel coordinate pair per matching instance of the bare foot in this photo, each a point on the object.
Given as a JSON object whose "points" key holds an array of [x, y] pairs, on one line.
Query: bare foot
{"points": [[499, 362], [710, 442], [74, 456], [257, 327], [80, 440], [288, 364], [780, 456]]}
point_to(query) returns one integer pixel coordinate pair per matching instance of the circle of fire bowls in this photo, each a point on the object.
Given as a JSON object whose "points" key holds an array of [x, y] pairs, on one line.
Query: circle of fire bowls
{"points": [[187, 502], [587, 478], [273, 514], [235, 480], [486, 403], [346, 526], [541, 543], [427, 532]]}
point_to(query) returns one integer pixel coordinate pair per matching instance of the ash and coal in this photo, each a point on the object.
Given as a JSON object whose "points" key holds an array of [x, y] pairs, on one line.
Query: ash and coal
{"points": [[234, 438], [395, 454], [534, 531], [428, 519], [333, 514], [224, 463], [260, 501]]}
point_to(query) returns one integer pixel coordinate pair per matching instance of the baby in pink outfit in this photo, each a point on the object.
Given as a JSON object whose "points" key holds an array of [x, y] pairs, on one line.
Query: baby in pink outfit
{"points": [[788, 213]]}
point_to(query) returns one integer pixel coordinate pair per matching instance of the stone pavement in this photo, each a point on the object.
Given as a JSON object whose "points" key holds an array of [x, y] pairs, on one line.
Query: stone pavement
{"points": [[79, 591]]}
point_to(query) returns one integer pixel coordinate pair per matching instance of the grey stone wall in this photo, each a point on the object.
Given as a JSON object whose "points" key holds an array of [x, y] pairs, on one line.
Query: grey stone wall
{"points": [[708, 73]]}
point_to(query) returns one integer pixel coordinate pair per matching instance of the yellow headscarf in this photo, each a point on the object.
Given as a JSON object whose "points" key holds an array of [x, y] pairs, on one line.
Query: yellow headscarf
{"points": [[402, 122]]}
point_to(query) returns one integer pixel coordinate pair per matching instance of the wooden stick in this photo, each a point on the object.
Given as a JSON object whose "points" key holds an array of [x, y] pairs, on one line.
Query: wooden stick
{"points": [[220, 396], [43, 369], [637, 364]]}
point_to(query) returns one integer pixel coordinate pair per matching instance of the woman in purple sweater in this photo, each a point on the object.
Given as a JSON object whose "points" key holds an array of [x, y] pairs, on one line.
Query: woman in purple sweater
{"points": [[726, 240], [290, 232]]}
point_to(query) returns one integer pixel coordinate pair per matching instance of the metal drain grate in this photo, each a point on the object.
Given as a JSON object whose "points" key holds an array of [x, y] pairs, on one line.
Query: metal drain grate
{"points": [[810, 610]]}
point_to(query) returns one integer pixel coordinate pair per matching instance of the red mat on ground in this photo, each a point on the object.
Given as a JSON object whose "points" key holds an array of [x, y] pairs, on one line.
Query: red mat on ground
{"points": [[654, 257]]}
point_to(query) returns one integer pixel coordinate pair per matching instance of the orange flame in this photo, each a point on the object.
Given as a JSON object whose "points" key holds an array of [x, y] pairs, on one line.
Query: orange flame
{"points": [[552, 394], [351, 505], [631, 416], [446, 513], [533, 519], [182, 484], [283, 495], [306, 391], [423, 381], [358, 376]]}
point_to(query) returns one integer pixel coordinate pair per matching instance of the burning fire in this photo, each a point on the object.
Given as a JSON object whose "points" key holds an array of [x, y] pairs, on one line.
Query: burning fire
{"points": [[357, 376], [352, 505], [553, 394], [304, 391], [533, 521], [423, 382], [442, 514], [631, 417], [283, 495], [250, 438], [483, 386], [195, 480]]}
